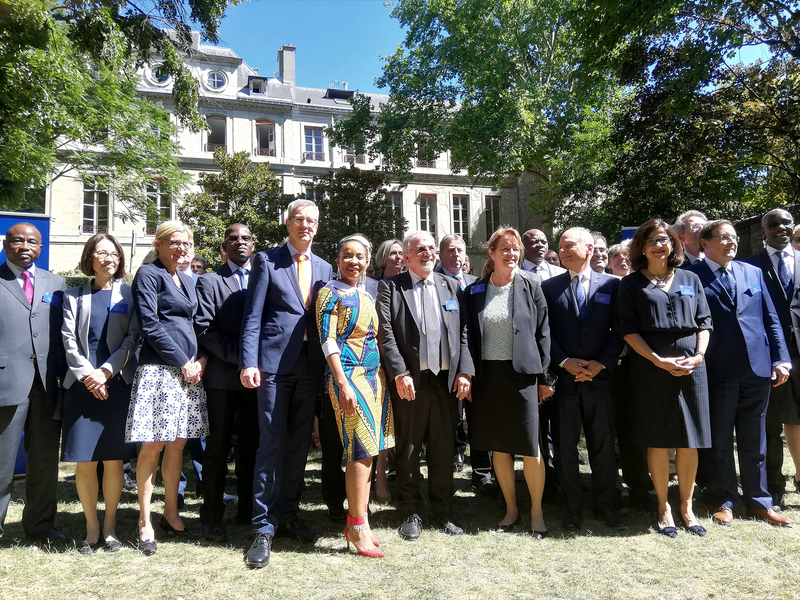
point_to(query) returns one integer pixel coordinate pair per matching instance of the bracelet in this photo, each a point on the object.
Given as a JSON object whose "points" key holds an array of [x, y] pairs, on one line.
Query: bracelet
{"points": [[700, 354]]}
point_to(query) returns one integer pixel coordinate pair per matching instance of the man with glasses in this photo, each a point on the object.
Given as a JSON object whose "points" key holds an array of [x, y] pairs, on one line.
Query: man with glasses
{"points": [[221, 299], [780, 264], [688, 226], [740, 366], [424, 351], [32, 364], [281, 356]]}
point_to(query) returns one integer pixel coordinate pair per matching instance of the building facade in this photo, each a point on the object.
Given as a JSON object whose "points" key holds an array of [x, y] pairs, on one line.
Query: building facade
{"points": [[282, 124]]}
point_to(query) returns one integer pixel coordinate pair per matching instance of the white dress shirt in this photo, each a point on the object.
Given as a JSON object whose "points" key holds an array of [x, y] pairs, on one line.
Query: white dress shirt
{"points": [[17, 271], [433, 295]]}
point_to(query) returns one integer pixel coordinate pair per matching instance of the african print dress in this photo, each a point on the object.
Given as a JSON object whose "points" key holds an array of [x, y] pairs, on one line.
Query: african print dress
{"points": [[348, 325]]}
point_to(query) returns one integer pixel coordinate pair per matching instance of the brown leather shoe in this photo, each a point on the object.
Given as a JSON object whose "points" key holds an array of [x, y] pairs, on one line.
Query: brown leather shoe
{"points": [[722, 516], [770, 516]]}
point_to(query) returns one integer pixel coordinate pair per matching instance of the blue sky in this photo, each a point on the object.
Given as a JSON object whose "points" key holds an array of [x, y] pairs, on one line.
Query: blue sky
{"points": [[340, 40]]}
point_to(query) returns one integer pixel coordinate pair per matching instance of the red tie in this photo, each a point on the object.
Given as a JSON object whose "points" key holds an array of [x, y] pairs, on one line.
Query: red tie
{"points": [[27, 286]]}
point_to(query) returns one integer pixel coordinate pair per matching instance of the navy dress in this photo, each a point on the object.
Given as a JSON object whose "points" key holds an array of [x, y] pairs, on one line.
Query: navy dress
{"points": [[668, 411], [94, 429]]}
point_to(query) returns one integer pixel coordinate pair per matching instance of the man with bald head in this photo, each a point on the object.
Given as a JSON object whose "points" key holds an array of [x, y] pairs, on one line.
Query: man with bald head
{"points": [[780, 264], [535, 242], [31, 367]]}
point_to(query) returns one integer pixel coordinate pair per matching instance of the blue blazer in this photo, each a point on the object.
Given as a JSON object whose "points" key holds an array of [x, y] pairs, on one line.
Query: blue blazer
{"points": [[275, 317], [594, 339], [165, 315], [747, 335]]}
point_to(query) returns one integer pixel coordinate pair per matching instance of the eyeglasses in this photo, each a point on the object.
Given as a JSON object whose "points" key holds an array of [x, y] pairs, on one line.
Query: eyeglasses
{"points": [[103, 255], [235, 238], [726, 238], [307, 220], [425, 250], [695, 227], [16, 242], [617, 255], [659, 241], [175, 244]]}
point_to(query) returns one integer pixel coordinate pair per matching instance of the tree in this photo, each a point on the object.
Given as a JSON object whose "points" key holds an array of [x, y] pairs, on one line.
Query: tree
{"points": [[241, 192], [352, 200], [68, 92]]}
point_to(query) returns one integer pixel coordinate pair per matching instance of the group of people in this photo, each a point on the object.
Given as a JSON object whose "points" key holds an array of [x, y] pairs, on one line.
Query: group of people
{"points": [[668, 354]]}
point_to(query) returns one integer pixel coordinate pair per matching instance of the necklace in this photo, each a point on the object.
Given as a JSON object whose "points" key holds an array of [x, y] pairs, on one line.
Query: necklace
{"points": [[661, 282]]}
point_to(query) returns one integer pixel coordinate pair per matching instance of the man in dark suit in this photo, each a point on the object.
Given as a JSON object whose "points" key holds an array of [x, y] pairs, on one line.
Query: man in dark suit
{"points": [[535, 243], [280, 354], [688, 226], [32, 365], [780, 264], [740, 366], [584, 351], [425, 353], [218, 323]]}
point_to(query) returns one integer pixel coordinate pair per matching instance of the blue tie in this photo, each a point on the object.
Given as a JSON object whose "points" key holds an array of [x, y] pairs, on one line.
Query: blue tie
{"points": [[728, 283], [242, 280], [580, 298], [460, 279], [784, 275]]}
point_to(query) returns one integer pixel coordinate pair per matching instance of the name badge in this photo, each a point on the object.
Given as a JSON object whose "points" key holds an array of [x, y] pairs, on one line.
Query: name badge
{"points": [[451, 305], [602, 298], [349, 301], [755, 288], [478, 289], [120, 308], [51, 299], [687, 290]]}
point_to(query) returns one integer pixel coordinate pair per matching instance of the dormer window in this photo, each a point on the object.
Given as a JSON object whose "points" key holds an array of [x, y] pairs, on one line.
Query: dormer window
{"points": [[159, 75], [258, 85], [216, 80]]}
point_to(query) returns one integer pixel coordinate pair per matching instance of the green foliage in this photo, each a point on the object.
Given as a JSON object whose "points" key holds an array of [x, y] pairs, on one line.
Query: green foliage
{"points": [[76, 278], [241, 192], [353, 200]]}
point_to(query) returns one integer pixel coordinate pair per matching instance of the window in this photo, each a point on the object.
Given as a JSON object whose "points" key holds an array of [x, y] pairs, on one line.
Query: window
{"points": [[265, 137], [158, 194], [95, 206], [395, 202], [353, 158], [159, 75], [461, 217], [216, 133], [314, 144], [216, 80], [427, 213], [314, 195], [492, 215], [422, 158]]}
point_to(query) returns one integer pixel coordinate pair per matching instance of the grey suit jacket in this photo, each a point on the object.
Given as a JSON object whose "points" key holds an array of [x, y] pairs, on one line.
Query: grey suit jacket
{"points": [[399, 335], [30, 335], [122, 336]]}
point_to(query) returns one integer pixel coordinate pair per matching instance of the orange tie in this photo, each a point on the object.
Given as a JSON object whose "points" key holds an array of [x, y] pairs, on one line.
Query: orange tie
{"points": [[301, 278]]}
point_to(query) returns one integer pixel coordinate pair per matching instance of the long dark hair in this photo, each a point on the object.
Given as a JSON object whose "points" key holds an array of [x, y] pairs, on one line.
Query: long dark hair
{"points": [[637, 257]]}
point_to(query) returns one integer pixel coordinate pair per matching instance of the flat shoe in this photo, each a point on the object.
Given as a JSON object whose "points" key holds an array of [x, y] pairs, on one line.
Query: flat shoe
{"points": [[698, 530], [87, 548], [539, 535], [671, 532], [507, 528], [112, 545]]}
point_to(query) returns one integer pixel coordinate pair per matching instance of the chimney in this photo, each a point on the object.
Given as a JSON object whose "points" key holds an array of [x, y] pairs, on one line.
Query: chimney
{"points": [[286, 64]]}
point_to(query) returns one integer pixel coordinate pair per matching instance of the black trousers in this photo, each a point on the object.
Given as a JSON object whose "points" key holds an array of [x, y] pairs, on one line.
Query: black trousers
{"points": [[430, 418], [633, 458], [223, 408], [34, 416], [781, 400], [333, 484]]}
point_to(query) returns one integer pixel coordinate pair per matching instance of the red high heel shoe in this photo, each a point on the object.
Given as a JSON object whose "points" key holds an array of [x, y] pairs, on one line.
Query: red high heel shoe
{"points": [[360, 524]]}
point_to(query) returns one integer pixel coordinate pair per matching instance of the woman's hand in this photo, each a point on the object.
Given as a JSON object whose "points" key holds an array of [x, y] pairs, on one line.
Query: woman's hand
{"points": [[347, 398], [691, 362], [191, 371], [676, 368], [545, 391], [96, 379]]}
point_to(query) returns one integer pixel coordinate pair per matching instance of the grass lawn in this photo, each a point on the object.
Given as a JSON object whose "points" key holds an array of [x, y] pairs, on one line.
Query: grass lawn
{"points": [[748, 560]]}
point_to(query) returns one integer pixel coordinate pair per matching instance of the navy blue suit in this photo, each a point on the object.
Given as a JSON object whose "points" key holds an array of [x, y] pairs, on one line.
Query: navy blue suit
{"points": [[783, 399], [273, 327], [747, 341], [588, 402]]}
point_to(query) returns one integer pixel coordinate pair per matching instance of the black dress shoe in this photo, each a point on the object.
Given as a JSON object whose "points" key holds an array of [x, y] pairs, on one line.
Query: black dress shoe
{"points": [[297, 529], [50, 535], [215, 533], [258, 555], [411, 528], [511, 527], [449, 527], [572, 520], [171, 531], [112, 545], [611, 518], [128, 483], [146, 547], [337, 514], [485, 487], [87, 548]]}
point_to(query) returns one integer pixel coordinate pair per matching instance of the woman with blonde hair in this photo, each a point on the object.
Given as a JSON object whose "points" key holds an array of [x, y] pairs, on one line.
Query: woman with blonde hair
{"points": [[168, 403]]}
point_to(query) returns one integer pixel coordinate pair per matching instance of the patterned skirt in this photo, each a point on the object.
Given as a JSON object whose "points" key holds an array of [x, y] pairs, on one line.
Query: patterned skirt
{"points": [[164, 407]]}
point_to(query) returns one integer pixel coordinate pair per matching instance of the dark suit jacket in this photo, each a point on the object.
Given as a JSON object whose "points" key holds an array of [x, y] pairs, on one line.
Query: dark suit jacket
{"points": [[218, 324], [467, 277], [399, 335], [595, 338], [747, 334], [275, 317], [27, 330], [166, 316], [531, 349]]}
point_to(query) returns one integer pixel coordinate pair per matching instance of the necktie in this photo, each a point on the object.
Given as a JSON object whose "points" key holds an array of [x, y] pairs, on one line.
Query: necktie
{"points": [[728, 283], [301, 271], [27, 286], [431, 326], [460, 279], [580, 297], [784, 275], [242, 279]]}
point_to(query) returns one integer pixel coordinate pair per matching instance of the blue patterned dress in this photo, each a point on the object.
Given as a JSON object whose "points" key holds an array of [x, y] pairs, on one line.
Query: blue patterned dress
{"points": [[348, 324]]}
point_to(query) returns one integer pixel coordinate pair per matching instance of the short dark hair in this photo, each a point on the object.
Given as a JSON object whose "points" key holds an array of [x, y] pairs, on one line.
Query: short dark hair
{"points": [[199, 259], [708, 229], [87, 258], [637, 258]]}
